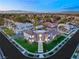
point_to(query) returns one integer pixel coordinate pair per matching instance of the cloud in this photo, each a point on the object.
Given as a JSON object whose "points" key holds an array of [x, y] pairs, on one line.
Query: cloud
{"points": [[72, 8]]}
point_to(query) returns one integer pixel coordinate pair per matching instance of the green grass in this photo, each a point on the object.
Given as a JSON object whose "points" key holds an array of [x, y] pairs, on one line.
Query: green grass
{"points": [[9, 31], [53, 43], [32, 47]]}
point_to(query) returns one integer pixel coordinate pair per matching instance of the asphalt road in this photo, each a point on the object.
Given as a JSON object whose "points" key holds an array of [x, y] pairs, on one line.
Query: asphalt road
{"points": [[68, 49], [9, 50], [65, 53]]}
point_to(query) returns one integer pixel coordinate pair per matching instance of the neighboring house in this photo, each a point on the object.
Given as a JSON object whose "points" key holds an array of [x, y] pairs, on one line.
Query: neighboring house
{"points": [[66, 28], [18, 27], [49, 24], [63, 28], [70, 26], [9, 23]]}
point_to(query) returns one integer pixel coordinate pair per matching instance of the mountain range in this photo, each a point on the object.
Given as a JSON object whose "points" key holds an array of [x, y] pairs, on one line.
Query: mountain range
{"points": [[21, 11]]}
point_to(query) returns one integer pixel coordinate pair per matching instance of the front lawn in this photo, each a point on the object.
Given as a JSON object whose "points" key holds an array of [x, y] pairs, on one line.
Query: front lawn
{"points": [[9, 31], [32, 47], [53, 43]]}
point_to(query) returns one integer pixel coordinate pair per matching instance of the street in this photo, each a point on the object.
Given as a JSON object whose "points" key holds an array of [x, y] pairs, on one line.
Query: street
{"points": [[68, 49]]}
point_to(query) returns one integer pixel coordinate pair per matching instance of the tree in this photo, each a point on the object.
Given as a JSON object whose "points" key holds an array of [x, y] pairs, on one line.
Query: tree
{"points": [[36, 21], [19, 18], [1, 21]]}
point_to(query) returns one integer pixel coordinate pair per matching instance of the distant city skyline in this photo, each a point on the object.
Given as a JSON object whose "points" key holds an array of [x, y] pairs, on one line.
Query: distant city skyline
{"points": [[40, 5]]}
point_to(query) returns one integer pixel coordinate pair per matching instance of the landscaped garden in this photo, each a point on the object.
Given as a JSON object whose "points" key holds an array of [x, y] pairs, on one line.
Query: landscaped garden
{"points": [[53, 43], [9, 31], [32, 47]]}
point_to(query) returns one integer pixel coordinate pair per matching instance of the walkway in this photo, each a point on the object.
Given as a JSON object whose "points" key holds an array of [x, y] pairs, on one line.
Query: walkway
{"points": [[40, 47]]}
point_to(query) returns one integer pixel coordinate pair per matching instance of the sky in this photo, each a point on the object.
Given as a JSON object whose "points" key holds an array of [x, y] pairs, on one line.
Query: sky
{"points": [[40, 5]]}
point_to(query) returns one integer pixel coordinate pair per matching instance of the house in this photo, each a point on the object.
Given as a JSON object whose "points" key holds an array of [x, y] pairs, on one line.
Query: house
{"points": [[62, 28], [20, 27], [17, 27], [39, 27], [28, 34], [35, 35], [66, 28], [49, 24]]}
